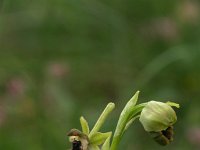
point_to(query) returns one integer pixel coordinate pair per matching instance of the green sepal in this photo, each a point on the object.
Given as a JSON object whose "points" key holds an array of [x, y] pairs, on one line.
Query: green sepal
{"points": [[102, 118], [132, 102], [106, 144], [173, 104], [93, 147], [99, 138], [84, 125]]}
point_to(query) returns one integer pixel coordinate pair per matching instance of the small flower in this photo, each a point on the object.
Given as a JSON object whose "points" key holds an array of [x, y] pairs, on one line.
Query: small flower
{"points": [[78, 139], [158, 118], [92, 140]]}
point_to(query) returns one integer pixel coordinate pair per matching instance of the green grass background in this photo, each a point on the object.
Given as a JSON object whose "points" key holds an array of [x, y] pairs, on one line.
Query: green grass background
{"points": [[60, 59]]}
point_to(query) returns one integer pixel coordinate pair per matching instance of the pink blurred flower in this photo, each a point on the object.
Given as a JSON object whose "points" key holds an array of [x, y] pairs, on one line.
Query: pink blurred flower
{"points": [[193, 135], [16, 86], [188, 11], [164, 28], [58, 70]]}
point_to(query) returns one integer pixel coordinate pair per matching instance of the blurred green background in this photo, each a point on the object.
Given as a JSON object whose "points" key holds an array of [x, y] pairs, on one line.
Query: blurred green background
{"points": [[60, 59]]}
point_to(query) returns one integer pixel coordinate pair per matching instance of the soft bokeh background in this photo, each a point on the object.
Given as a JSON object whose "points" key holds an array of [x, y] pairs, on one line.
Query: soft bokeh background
{"points": [[60, 59]]}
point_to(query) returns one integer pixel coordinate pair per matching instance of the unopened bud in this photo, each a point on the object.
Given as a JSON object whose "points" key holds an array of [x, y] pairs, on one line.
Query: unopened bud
{"points": [[157, 116]]}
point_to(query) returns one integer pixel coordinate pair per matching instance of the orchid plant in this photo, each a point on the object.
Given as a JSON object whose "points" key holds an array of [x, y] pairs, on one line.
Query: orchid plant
{"points": [[157, 118]]}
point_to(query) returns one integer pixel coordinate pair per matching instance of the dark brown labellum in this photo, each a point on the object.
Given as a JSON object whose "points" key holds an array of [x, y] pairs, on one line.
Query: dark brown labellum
{"points": [[163, 137], [76, 145], [78, 139]]}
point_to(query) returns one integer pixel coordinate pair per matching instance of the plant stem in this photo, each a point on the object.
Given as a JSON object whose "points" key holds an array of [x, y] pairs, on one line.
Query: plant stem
{"points": [[124, 118]]}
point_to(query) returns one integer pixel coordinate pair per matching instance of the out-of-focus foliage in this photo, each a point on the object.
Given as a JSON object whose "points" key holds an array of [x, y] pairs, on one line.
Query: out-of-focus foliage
{"points": [[60, 59]]}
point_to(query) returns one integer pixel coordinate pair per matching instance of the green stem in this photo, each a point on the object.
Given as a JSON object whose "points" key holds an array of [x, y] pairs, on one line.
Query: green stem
{"points": [[102, 118], [127, 114]]}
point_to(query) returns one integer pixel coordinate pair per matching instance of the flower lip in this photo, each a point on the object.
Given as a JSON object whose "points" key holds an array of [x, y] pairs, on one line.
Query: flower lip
{"points": [[163, 137], [78, 139]]}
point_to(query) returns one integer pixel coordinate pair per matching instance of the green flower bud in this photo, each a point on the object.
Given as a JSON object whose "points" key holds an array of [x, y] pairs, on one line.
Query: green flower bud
{"points": [[157, 116]]}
